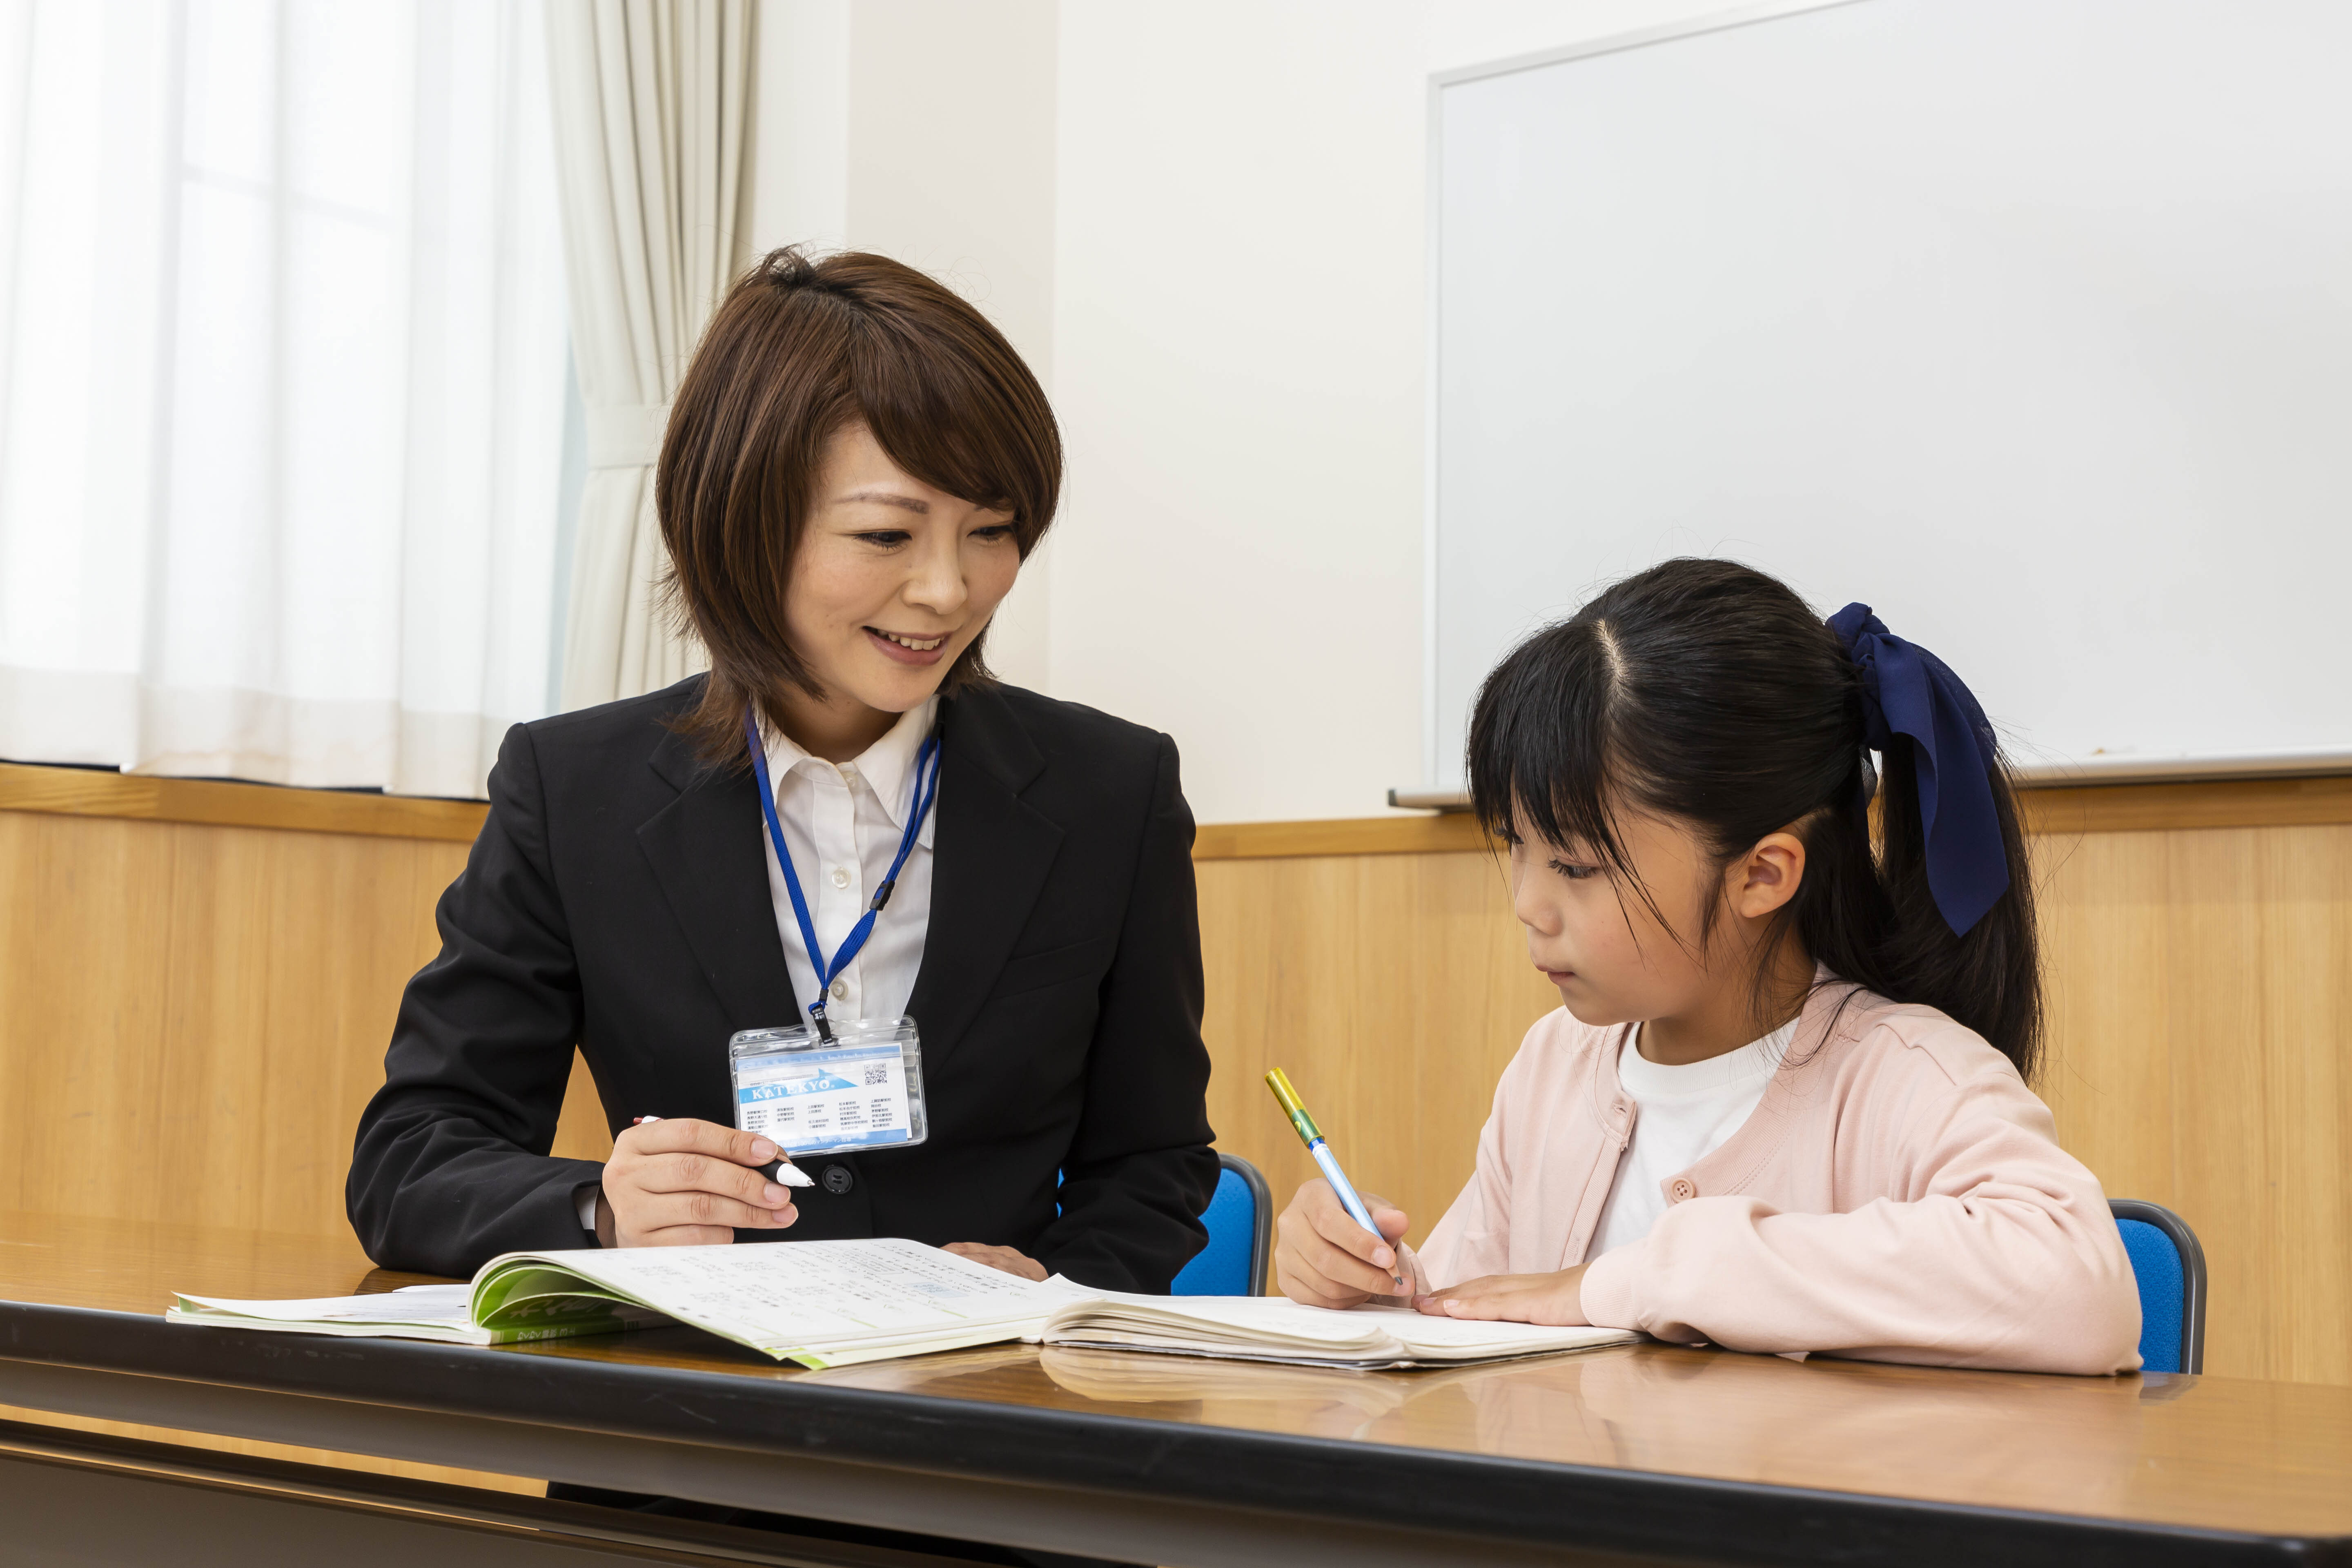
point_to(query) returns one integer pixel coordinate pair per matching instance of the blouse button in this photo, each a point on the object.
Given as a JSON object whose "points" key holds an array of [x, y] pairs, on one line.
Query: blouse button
{"points": [[1682, 1189], [840, 990], [841, 876]]}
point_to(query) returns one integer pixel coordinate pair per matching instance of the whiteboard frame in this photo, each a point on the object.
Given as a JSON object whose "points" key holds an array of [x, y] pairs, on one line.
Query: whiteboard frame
{"points": [[1714, 22]]}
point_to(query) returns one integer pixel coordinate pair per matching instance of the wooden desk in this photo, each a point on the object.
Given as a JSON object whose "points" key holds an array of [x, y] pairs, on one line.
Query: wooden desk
{"points": [[1641, 1453]]}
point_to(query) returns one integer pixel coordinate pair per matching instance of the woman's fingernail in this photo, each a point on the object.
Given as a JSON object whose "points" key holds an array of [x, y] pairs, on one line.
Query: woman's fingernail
{"points": [[762, 1150], [773, 1193]]}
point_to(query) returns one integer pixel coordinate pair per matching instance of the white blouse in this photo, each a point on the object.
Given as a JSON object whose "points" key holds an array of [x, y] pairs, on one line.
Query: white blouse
{"points": [[843, 825]]}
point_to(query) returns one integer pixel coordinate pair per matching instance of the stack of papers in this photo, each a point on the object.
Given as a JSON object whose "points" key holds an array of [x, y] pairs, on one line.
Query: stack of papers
{"points": [[837, 1303], [1268, 1328]]}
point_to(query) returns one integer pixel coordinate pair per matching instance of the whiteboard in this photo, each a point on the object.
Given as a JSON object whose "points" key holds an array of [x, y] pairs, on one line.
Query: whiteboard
{"points": [[2026, 322]]}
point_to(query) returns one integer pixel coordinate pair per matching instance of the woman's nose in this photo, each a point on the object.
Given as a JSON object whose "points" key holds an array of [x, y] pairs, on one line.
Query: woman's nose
{"points": [[937, 585]]}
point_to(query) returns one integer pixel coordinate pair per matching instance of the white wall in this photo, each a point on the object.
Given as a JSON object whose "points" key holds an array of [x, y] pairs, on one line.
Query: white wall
{"points": [[1233, 240], [924, 130]]}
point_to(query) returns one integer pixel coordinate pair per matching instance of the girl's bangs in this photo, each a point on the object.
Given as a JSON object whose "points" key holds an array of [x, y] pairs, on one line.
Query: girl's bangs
{"points": [[1540, 752]]}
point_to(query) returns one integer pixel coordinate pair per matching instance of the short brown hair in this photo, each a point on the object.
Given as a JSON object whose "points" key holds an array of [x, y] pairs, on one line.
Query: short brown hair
{"points": [[798, 349]]}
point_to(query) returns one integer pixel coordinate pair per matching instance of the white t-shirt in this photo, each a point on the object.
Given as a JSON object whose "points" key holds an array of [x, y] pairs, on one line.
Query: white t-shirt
{"points": [[1682, 1114]]}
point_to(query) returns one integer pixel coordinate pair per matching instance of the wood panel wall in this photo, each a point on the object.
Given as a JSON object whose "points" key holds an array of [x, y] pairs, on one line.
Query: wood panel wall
{"points": [[193, 1007], [195, 1015]]}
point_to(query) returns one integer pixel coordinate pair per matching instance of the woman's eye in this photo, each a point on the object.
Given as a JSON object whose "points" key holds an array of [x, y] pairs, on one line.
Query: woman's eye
{"points": [[887, 538], [993, 531]]}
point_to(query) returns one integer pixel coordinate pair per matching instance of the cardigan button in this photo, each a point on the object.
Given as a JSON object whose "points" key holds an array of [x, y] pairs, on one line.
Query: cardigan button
{"points": [[837, 1179], [1682, 1189]]}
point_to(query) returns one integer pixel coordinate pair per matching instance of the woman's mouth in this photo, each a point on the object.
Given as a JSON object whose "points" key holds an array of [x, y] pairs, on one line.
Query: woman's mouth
{"points": [[907, 648]]}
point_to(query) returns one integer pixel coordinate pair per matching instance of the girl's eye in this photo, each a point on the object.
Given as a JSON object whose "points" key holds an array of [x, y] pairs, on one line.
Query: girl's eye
{"points": [[1575, 873], [887, 538]]}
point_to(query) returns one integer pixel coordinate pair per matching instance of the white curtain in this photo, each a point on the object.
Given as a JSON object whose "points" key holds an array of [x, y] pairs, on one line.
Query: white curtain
{"points": [[282, 346], [653, 115]]}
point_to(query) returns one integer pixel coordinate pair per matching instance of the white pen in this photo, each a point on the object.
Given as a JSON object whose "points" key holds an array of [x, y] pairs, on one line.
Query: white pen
{"points": [[780, 1169]]}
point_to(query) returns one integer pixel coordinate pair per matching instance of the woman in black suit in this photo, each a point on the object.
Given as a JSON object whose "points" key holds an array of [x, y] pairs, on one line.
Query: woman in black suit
{"points": [[854, 468]]}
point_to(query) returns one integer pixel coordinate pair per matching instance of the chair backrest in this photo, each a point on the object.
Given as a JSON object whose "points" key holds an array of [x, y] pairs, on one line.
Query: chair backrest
{"points": [[1240, 1219], [2169, 1268]]}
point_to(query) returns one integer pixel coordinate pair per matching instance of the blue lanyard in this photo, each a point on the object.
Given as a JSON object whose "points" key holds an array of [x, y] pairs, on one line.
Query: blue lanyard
{"points": [[927, 789]]}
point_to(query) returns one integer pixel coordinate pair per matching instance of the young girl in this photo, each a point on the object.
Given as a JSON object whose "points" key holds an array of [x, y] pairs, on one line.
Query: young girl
{"points": [[1784, 1107]]}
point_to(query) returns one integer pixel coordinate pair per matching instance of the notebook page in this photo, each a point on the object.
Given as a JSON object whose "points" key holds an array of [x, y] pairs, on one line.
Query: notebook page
{"points": [[1439, 1338], [812, 1292], [1242, 1319], [1273, 1323], [442, 1304]]}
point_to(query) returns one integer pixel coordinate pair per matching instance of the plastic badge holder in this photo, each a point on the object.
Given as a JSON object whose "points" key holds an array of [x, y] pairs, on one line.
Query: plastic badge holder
{"points": [[862, 1090]]}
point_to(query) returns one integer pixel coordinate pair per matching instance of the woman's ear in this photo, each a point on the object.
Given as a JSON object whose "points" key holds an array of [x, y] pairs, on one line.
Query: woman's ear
{"points": [[1765, 879]]}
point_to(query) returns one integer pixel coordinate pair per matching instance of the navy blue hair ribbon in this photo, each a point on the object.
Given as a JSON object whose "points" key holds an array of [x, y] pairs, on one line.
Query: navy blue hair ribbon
{"points": [[1907, 690]]}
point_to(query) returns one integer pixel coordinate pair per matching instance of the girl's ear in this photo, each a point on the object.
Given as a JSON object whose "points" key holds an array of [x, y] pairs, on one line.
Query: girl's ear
{"points": [[1760, 881]]}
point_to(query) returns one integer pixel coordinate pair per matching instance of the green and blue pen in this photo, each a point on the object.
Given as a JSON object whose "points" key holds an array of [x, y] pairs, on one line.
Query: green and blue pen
{"points": [[1312, 1136]]}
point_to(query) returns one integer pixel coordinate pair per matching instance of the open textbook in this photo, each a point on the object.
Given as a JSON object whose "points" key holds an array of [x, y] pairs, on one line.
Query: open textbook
{"points": [[836, 1303]]}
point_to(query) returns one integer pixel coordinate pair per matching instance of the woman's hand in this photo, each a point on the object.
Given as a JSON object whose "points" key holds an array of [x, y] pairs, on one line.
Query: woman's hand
{"points": [[1554, 1300], [1323, 1257], [688, 1183], [1004, 1258]]}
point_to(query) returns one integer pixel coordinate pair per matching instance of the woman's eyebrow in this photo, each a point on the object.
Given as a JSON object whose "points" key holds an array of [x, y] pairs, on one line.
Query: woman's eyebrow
{"points": [[887, 498]]}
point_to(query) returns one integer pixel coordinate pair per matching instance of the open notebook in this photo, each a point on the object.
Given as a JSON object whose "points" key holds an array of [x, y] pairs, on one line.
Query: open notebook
{"points": [[836, 1303]]}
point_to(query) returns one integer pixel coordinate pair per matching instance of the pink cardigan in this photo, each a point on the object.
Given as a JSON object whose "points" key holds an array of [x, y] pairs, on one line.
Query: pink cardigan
{"points": [[1899, 1194]]}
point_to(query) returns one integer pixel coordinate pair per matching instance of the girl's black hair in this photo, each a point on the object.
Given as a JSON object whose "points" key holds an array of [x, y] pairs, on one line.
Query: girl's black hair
{"points": [[1709, 692]]}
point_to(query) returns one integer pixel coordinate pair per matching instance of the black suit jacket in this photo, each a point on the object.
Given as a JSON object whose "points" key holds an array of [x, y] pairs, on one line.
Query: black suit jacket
{"points": [[617, 896]]}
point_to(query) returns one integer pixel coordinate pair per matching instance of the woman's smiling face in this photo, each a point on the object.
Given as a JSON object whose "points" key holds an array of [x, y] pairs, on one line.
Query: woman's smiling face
{"points": [[892, 580]]}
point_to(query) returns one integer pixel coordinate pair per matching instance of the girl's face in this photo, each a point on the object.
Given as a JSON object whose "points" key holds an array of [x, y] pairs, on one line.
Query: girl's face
{"points": [[892, 579], [1614, 958]]}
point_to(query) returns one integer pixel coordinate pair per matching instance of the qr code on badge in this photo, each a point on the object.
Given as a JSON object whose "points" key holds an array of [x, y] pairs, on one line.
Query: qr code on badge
{"points": [[876, 1075]]}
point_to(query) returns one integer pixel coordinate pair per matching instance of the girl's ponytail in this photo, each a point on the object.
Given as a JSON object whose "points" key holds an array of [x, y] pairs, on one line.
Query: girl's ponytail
{"points": [[1951, 854], [1708, 691]]}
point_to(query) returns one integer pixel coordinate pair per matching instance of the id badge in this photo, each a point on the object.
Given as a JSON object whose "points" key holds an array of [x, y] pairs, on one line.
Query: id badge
{"points": [[862, 1090]]}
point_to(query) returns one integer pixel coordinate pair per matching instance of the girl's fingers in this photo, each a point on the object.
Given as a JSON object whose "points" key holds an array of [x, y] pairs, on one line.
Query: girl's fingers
{"points": [[1315, 1292], [1325, 1259], [1334, 1223], [1392, 1219], [1508, 1298], [1315, 1255], [1318, 1208]]}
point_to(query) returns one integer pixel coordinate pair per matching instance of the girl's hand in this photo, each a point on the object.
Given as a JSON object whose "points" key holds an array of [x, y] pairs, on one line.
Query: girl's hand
{"points": [[1323, 1257], [688, 1183], [1553, 1301], [1002, 1257]]}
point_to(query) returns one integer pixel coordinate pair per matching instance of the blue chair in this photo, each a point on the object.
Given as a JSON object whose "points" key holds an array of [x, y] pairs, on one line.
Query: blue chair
{"points": [[2170, 1270], [1240, 1219]]}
